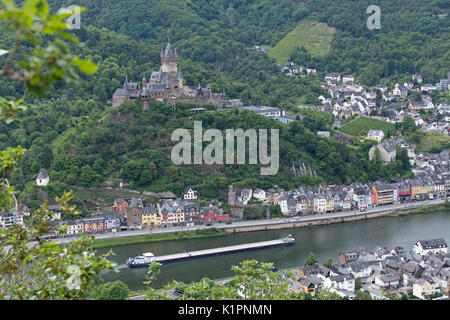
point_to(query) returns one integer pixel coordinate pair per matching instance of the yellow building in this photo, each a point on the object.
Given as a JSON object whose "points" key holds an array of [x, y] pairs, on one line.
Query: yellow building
{"points": [[179, 213], [329, 205], [418, 190], [151, 220]]}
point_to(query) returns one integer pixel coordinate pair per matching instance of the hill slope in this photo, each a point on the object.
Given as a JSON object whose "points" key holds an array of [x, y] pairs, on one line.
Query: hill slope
{"points": [[314, 36], [362, 125]]}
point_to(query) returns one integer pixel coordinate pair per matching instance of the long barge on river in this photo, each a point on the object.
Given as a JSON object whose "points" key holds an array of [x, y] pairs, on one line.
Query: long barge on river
{"points": [[146, 258]]}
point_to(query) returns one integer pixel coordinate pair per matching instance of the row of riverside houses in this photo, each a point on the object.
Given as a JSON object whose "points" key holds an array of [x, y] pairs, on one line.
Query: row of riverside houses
{"points": [[141, 214], [131, 214], [13, 217], [423, 272], [335, 198], [99, 222], [138, 214]]}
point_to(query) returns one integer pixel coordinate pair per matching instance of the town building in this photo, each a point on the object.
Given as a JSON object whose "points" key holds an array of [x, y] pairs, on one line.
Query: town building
{"points": [[192, 214], [423, 247], [151, 218], [190, 194], [120, 205], [375, 135], [93, 225], [213, 214], [10, 218], [387, 150]]}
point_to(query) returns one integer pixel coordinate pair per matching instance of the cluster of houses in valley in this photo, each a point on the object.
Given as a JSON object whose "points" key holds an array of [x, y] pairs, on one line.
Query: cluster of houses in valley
{"points": [[348, 98], [423, 272]]}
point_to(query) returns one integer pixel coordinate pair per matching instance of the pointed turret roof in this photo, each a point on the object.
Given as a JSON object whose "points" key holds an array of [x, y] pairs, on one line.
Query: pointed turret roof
{"points": [[42, 175], [169, 52]]}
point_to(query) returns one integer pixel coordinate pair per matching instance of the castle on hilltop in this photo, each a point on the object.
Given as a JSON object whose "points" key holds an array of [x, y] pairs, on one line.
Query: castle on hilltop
{"points": [[167, 85]]}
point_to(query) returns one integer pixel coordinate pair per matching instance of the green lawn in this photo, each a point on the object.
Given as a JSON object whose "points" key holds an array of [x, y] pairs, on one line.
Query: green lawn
{"points": [[314, 36], [181, 235], [361, 125], [430, 142]]}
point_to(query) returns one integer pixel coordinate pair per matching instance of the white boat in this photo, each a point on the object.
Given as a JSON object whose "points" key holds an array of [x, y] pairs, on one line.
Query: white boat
{"points": [[143, 260], [289, 239]]}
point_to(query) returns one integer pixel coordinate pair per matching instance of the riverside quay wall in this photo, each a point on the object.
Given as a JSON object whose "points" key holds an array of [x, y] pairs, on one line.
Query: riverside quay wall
{"points": [[308, 223]]}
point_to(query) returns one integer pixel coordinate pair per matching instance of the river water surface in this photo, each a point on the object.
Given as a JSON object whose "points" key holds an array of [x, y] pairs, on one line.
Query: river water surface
{"points": [[325, 241]]}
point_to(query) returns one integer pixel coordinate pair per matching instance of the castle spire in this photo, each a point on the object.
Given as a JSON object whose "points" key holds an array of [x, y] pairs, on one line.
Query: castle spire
{"points": [[168, 52]]}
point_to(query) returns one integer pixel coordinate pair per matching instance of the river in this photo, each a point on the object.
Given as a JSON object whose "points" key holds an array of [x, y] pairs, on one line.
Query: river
{"points": [[325, 241]]}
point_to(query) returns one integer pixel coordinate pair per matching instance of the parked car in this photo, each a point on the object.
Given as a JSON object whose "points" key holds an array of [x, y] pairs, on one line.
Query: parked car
{"points": [[177, 293]]}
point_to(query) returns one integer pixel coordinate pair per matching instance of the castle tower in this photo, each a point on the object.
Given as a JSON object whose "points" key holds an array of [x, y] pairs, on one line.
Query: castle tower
{"points": [[231, 195], [169, 61], [180, 79], [145, 97], [236, 206]]}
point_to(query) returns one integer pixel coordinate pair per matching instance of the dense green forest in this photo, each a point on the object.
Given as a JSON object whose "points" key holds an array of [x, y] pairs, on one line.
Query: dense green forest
{"points": [[214, 40], [81, 140]]}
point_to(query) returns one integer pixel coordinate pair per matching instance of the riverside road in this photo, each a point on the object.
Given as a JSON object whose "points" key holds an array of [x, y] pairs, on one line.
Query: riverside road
{"points": [[267, 222]]}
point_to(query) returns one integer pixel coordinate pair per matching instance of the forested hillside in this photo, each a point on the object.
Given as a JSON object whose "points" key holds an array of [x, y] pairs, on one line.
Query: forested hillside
{"points": [[214, 40], [414, 35], [414, 38]]}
